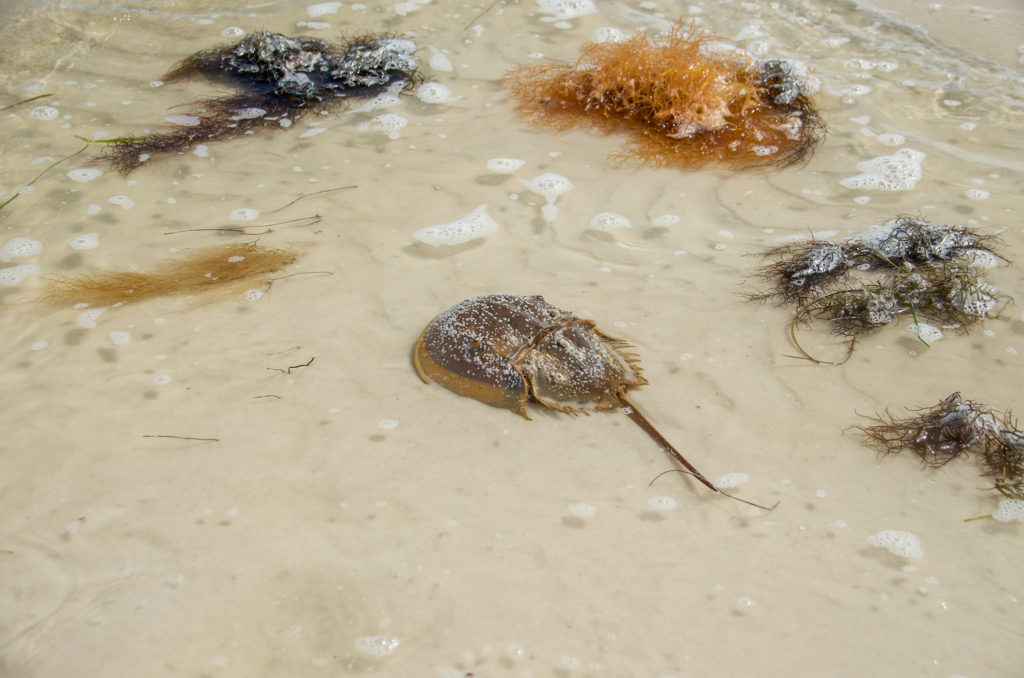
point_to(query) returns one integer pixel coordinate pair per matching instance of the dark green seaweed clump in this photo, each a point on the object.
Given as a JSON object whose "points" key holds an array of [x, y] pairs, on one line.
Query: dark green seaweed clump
{"points": [[909, 267], [280, 78], [954, 428]]}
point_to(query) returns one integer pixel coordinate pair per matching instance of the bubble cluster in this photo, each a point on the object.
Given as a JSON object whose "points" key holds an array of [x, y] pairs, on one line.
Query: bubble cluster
{"points": [[84, 174], [662, 503], [434, 93], [925, 332], [244, 214], [85, 241], [582, 510], [476, 224], [549, 186], [504, 165], [389, 123], [609, 221], [123, 200], [560, 10], [19, 248], [44, 113], [15, 275], [183, 120], [377, 646], [322, 9], [897, 172], [898, 543], [1009, 509]]}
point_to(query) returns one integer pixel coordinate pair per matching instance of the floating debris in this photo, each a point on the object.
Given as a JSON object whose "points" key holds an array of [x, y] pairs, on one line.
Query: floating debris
{"points": [[955, 428], [205, 270], [283, 78], [684, 100], [507, 350], [907, 266]]}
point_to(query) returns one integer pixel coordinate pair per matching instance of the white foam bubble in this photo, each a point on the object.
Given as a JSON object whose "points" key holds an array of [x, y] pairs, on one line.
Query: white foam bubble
{"points": [[253, 294], [897, 172], [312, 132], [84, 174], [387, 424], [582, 510], [548, 185], [977, 194], [85, 241], [244, 214], [434, 93], [377, 646], [389, 97], [504, 165], [476, 224], [559, 10], [15, 275], [1009, 509], [439, 62], [890, 139], [663, 220], [898, 543], [87, 319], [927, 333], [322, 9], [162, 379], [662, 503], [389, 123], [607, 34], [44, 113], [19, 248], [201, 151], [123, 200], [728, 480], [183, 120], [39, 345], [249, 113], [609, 221], [121, 337]]}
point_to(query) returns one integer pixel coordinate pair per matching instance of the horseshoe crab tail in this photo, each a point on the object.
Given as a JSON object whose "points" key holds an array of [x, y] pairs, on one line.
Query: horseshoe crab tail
{"points": [[637, 416], [640, 420]]}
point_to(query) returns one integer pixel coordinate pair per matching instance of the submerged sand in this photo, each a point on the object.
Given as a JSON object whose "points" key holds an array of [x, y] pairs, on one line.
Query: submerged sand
{"points": [[263, 486]]}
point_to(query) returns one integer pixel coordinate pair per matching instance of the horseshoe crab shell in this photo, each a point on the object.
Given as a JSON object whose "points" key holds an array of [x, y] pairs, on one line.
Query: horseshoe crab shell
{"points": [[506, 350]]}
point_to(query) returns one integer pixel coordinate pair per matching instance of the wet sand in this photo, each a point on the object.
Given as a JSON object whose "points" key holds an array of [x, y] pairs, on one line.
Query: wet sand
{"points": [[349, 518]]}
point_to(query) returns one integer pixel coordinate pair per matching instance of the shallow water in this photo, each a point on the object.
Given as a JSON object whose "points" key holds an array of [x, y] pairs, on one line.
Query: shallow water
{"points": [[351, 519]]}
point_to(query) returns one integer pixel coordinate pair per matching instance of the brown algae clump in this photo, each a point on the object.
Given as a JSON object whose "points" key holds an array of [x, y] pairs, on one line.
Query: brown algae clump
{"points": [[954, 428], [906, 268], [281, 78], [204, 270], [683, 100], [507, 350]]}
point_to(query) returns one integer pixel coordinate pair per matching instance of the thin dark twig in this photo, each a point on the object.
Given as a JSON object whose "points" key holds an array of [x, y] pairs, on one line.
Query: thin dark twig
{"points": [[208, 440], [326, 190], [244, 230]]}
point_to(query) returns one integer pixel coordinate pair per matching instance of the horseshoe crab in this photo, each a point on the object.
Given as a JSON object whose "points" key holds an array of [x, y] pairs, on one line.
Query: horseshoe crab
{"points": [[507, 350]]}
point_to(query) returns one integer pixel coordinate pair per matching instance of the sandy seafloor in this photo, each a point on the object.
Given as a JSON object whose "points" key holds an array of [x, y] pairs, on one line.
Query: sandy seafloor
{"points": [[351, 519]]}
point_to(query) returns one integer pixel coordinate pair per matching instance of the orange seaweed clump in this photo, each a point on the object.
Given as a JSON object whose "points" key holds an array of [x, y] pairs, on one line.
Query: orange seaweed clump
{"points": [[204, 270], [684, 101]]}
